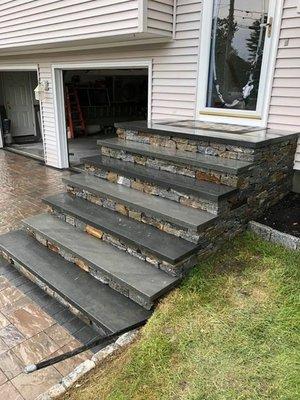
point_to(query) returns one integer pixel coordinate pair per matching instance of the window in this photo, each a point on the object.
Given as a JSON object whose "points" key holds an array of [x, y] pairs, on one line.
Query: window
{"points": [[235, 49]]}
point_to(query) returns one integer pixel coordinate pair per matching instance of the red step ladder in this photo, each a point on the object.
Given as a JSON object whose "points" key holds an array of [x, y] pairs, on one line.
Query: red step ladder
{"points": [[75, 118]]}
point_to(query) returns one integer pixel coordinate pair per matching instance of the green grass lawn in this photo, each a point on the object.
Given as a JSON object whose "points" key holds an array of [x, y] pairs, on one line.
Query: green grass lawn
{"points": [[231, 331]]}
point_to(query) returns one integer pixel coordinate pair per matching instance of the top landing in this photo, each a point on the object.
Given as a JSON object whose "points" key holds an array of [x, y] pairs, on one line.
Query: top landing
{"points": [[237, 135]]}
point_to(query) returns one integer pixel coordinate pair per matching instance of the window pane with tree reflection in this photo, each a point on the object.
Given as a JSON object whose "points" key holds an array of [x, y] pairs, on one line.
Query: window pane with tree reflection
{"points": [[237, 43]]}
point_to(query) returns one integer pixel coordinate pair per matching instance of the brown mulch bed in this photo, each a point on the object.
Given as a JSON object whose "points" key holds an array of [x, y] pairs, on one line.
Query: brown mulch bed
{"points": [[285, 215]]}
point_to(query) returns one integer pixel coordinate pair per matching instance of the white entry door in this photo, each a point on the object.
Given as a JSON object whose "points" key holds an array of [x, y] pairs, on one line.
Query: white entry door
{"points": [[18, 102]]}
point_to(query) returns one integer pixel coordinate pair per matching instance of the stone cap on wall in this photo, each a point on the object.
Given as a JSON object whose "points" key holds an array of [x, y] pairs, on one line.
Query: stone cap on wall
{"points": [[253, 137]]}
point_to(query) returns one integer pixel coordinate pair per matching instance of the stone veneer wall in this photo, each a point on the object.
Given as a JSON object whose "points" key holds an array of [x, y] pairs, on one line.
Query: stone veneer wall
{"points": [[141, 254], [265, 182], [167, 193], [262, 184]]}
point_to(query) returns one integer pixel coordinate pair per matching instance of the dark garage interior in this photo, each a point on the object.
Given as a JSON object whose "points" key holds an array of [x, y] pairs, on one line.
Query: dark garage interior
{"points": [[95, 100]]}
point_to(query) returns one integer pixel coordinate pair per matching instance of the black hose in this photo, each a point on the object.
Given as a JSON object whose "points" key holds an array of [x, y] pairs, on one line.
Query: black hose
{"points": [[89, 345]]}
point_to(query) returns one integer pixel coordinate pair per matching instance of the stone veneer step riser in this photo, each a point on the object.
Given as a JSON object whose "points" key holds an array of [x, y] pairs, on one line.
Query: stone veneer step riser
{"points": [[134, 277], [87, 267], [161, 211], [217, 232], [277, 158], [208, 174], [19, 267], [206, 147], [126, 232], [212, 207], [272, 165], [177, 270], [209, 146], [108, 309], [141, 216]]}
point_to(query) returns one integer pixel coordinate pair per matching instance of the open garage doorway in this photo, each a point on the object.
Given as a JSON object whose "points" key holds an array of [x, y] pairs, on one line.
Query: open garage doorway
{"points": [[95, 99], [20, 118]]}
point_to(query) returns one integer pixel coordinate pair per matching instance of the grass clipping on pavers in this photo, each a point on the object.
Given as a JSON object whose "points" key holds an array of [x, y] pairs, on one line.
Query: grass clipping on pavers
{"points": [[229, 332]]}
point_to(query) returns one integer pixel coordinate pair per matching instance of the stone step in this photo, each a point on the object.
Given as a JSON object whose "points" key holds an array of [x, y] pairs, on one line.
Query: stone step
{"points": [[131, 276], [162, 209], [105, 307], [187, 158], [183, 185], [143, 240]]}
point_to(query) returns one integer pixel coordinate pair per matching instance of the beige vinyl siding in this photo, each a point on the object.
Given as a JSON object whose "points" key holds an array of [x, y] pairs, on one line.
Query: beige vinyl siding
{"points": [[284, 110], [37, 22], [160, 16], [174, 71]]}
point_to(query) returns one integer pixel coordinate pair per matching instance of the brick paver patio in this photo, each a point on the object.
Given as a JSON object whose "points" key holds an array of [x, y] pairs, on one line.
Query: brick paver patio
{"points": [[33, 326]]}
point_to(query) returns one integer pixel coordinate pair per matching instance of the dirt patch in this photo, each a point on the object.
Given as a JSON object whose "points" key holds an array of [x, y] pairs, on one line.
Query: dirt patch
{"points": [[285, 215]]}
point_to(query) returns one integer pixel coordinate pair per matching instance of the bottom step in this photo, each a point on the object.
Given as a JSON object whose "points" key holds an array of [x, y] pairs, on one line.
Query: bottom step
{"points": [[107, 308]]}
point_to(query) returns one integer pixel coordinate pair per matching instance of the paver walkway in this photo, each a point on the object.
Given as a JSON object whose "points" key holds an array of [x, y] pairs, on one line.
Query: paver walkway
{"points": [[33, 326]]}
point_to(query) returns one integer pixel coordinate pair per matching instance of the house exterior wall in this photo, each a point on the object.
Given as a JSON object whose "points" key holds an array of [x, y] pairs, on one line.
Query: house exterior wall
{"points": [[160, 16], [174, 65], [174, 68], [284, 110], [30, 22], [33, 23]]}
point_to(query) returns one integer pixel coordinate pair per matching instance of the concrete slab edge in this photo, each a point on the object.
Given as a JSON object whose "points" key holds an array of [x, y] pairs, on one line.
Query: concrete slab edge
{"points": [[68, 381], [275, 236]]}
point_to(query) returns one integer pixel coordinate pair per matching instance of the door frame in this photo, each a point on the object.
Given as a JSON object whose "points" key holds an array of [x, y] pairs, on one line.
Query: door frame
{"points": [[20, 68], [239, 117], [31, 98], [59, 98]]}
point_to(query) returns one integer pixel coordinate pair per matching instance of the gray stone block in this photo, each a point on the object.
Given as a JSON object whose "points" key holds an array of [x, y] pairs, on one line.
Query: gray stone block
{"points": [[78, 372], [286, 240], [104, 353], [261, 230]]}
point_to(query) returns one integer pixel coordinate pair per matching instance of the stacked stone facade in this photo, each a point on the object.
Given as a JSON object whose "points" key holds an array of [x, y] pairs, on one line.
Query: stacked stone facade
{"points": [[266, 178]]}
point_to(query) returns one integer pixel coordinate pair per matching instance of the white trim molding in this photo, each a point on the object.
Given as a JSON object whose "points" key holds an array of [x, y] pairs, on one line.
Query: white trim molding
{"points": [[59, 100], [18, 67], [232, 116], [142, 15]]}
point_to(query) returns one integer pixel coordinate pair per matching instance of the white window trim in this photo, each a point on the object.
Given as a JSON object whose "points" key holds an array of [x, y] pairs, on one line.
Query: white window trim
{"points": [[59, 101], [240, 117]]}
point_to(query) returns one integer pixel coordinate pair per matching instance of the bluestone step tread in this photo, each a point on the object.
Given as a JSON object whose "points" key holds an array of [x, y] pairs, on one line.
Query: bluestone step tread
{"points": [[107, 308], [128, 271], [167, 180], [177, 156], [156, 206], [163, 245]]}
